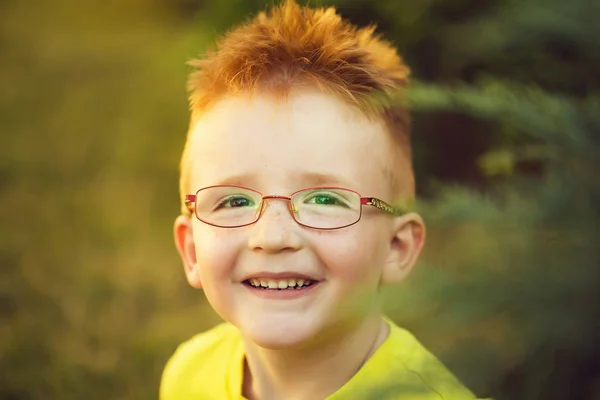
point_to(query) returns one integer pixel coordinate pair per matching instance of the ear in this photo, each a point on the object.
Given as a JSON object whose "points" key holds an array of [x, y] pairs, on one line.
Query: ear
{"points": [[406, 245], [184, 241]]}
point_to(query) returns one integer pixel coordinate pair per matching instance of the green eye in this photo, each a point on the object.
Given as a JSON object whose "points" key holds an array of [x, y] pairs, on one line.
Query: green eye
{"points": [[235, 202], [324, 199], [321, 199]]}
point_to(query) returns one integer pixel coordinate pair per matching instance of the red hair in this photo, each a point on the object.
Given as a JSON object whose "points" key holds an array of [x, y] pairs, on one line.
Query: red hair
{"points": [[295, 46]]}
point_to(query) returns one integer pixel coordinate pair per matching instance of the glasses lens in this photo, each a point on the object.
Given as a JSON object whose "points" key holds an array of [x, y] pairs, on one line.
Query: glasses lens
{"points": [[227, 206], [326, 208]]}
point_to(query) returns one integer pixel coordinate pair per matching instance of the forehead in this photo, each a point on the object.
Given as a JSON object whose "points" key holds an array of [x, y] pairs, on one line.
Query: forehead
{"points": [[307, 139]]}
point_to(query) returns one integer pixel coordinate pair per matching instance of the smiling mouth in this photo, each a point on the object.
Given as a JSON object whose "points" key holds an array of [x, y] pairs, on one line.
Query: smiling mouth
{"points": [[279, 284]]}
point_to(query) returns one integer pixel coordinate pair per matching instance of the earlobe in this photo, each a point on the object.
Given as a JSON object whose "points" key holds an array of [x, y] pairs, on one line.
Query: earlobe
{"points": [[184, 241], [405, 248]]}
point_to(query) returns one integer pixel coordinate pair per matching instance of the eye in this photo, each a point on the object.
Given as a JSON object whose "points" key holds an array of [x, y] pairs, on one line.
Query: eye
{"points": [[325, 199], [234, 201]]}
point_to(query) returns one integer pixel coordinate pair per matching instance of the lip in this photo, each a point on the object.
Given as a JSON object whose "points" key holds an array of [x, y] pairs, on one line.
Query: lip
{"points": [[280, 275], [283, 294]]}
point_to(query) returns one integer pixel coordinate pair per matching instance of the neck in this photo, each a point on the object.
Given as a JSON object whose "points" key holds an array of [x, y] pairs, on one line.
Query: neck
{"points": [[311, 372]]}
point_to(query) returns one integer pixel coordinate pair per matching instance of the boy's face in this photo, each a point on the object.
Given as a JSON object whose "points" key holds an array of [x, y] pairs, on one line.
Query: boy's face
{"points": [[277, 148]]}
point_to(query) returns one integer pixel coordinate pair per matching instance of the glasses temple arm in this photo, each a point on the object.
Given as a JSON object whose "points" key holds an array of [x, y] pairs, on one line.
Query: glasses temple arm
{"points": [[189, 201], [382, 205]]}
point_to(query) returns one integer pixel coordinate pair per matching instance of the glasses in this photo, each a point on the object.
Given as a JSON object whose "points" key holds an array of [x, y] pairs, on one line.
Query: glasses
{"points": [[317, 207]]}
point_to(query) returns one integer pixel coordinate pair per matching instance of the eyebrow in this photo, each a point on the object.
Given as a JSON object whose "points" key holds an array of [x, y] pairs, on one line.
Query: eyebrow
{"points": [[305, 179], [320, 178], [238, 180]]}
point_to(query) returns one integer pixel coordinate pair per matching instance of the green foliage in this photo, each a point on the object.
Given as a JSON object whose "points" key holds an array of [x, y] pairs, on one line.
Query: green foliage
{"points": [[521, 270]]}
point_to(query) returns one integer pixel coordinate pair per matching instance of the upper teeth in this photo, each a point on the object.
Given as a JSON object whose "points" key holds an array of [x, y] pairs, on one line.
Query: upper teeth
{"points": [[279, 283]]}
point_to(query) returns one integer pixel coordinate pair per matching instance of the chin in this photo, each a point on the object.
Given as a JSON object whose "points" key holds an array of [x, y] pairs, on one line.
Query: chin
{"points": [[276, 335]]}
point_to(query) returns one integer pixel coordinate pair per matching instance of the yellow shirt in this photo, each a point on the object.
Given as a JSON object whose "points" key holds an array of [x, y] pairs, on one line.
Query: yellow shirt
{"points": [[209, 366]]}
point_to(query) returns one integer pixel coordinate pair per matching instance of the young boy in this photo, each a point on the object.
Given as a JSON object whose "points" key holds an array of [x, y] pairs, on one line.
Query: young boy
{"points": [[287, 181]]}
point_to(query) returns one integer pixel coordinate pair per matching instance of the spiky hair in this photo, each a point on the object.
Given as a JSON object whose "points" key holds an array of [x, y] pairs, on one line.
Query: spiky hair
{"points": [[293, 46]]}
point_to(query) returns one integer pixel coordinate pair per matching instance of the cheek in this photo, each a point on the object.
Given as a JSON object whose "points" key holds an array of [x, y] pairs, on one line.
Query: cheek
{"points": [[353, 257], [216, 252]]}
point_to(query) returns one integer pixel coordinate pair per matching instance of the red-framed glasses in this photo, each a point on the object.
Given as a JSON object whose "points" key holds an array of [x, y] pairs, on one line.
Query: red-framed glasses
{"points": [[321, 207]]}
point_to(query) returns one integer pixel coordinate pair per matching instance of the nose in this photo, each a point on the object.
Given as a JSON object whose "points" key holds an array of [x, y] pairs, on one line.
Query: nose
{"points": [[276, 230]]}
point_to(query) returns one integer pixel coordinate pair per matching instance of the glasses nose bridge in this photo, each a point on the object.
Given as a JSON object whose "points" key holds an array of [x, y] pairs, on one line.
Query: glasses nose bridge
{"points": [[290, 203], [277, 197]]}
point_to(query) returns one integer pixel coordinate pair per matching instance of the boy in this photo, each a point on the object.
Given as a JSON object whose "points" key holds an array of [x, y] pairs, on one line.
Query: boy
{"points": [[287, 181]]}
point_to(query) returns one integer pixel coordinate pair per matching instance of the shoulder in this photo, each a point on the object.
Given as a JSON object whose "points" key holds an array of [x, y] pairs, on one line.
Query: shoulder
{"points": [[200, 362], [401, 368], [212, 340], [426, 369]]}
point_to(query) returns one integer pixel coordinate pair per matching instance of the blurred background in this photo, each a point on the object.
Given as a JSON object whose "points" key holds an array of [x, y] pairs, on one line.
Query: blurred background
{"points": [[93, 115]]}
